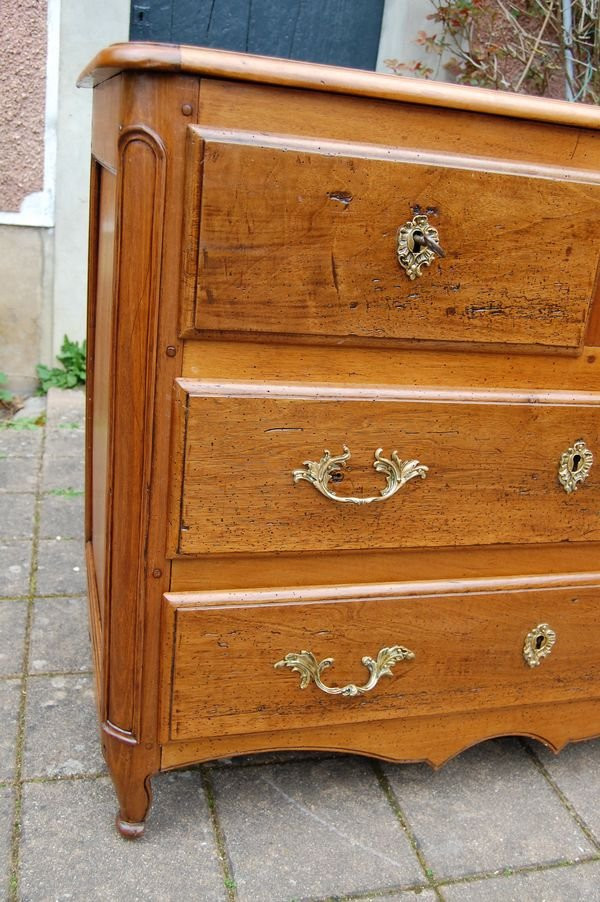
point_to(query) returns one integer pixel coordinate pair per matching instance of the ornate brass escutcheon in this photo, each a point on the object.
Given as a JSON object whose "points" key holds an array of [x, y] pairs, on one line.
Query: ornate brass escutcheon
{"points": [[418, 245], [575, 465], [397, 472], [309, 668], [539, 642]]}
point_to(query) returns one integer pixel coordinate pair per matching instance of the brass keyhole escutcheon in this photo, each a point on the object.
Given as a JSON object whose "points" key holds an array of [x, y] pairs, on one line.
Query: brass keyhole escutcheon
{"points": [[418, 245], [574, 466], [539, 642]]}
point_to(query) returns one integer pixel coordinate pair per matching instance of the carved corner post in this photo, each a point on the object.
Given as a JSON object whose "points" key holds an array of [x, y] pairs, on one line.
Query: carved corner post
{"points": [[138, 129]]}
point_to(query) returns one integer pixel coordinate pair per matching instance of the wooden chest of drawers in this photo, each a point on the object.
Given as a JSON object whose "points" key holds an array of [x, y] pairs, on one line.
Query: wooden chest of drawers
{"points": [[344, 396]]}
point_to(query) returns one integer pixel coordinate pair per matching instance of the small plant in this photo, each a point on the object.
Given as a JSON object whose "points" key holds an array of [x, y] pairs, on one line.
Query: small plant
{"points": [[542, 47], [22, 425], [6, 396], [72, 372], [65, 493]]}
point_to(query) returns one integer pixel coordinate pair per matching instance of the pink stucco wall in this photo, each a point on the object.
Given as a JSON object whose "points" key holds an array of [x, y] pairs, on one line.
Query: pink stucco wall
{"points": [[22, 99]]}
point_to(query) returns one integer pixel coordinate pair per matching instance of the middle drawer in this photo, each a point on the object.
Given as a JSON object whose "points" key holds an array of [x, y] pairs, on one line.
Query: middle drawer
{"points": [[440, 467]]}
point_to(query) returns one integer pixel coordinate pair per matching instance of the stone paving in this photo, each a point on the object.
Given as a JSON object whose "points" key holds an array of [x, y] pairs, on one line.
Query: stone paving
{"points": [[504, 821]]}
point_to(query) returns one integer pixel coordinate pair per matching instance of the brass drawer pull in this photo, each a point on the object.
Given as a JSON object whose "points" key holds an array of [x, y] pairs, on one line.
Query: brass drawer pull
{"points": [[575, 465], [418, 244], [539, 642], [309, 668], [397, 472]]}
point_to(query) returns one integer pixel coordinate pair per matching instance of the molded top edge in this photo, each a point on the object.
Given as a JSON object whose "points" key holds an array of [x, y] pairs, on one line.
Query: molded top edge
{"points": [[247, 67]]}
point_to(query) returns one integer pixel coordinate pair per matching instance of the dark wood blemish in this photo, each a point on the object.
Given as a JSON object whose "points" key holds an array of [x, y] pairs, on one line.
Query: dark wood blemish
{"points": [[334, 275], [486, 310], [343, 197]]}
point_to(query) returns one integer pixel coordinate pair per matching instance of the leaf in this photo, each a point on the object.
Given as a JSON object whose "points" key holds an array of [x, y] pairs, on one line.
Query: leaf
{"points": [[72, 373]]}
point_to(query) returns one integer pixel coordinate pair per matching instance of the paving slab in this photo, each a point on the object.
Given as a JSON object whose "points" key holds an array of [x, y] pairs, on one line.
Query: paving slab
{"points": [[175, 861], [577, 773], [65, 408], [15, 565], [10, 699], [410, 895], [6, 821], [579, 882], [62, 474], [18, 474], [13, 615], [17, 512], [59, 635], [61, 567], [488, 809], [61, 735], [21, 442], [61, 515], [311, 829], [65, 442]]}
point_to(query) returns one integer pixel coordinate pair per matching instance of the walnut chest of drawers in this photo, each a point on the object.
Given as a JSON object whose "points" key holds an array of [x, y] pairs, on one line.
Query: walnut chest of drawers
{"points": [[344, 402]]}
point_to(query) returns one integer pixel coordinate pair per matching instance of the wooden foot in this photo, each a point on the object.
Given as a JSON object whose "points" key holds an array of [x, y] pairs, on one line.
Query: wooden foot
{"points": [[129, 830], [131, 769]]}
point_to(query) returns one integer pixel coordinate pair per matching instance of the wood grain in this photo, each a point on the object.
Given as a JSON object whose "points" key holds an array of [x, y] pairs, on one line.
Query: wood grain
{"points": [[337, 568], [492, 468], [292, 565], [283, 254], [148, 120], [433, 739], [167, 58], [140, 229], [235, 106], [286, 363], [223, 680], [99, 390]]}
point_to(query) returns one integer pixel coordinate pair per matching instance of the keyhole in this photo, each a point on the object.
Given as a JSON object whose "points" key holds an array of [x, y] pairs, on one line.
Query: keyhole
{"points": [[337, 476], [540, 642], [575, 462], [417, 239]]}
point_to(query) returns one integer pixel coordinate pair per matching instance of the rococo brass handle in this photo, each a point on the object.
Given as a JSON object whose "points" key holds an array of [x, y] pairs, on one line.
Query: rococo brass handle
{"points": [[539, 642], [309, 668], [397, 472], [418, 245]]}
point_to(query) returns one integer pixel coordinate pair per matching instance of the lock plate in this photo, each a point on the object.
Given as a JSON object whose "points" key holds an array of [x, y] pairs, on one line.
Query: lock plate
{"points": [[574, 466], [418, 245]]}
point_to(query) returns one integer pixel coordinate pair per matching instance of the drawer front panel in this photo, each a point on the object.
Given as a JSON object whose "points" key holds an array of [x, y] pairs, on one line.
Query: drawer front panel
{"points": [[219, 654], [492, 470], [302, 239]]}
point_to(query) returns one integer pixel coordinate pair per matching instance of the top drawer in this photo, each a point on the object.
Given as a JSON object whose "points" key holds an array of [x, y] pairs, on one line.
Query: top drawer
{"points": [[294, 236]]}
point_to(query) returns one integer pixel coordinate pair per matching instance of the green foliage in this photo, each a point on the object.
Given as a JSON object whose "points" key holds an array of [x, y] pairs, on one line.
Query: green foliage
{"points": [[72, 372], [21, 425], [65, 493], [6, 396]]}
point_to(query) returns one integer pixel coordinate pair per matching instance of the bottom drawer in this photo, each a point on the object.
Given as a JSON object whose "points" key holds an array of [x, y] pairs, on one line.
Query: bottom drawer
{"points": [[395, 652]]}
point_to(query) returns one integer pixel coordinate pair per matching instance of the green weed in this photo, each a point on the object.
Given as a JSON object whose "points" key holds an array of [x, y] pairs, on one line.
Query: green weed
{"points": [[72, 372], [6, 396], [65, 493]]}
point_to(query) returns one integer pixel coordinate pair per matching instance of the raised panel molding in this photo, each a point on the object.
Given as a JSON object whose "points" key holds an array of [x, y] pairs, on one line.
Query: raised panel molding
{"points": [[140, 222]]}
